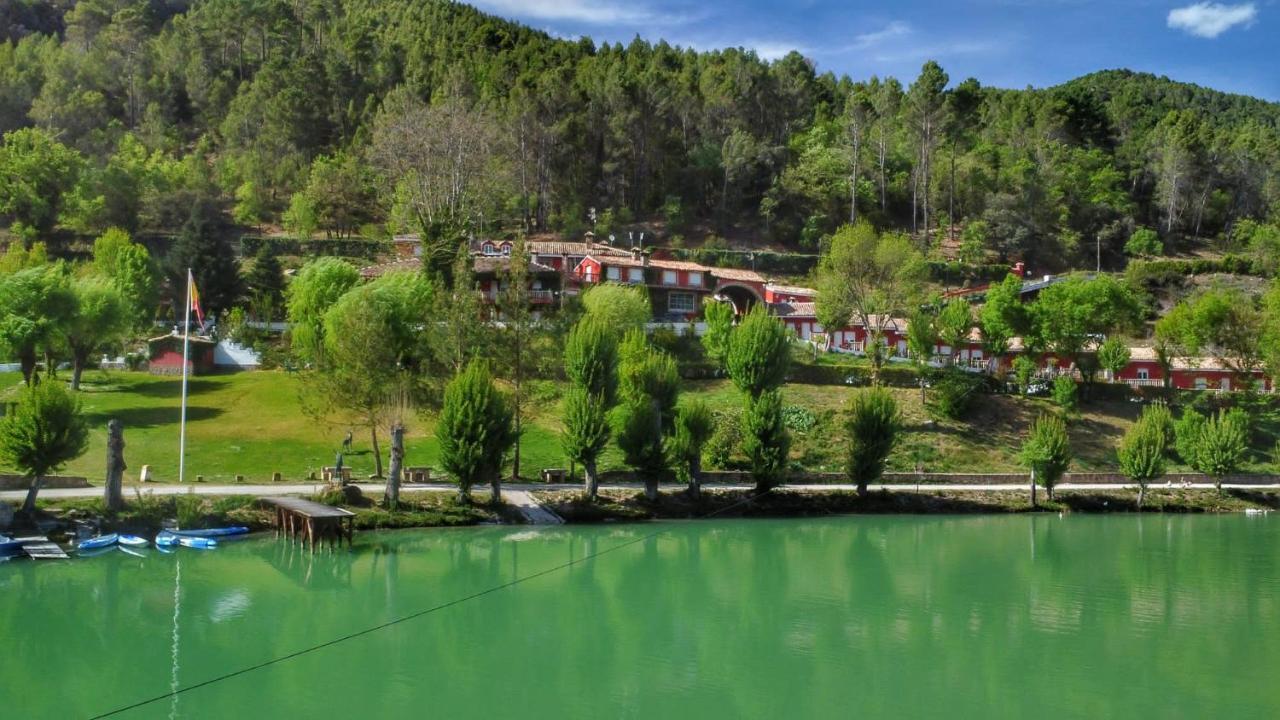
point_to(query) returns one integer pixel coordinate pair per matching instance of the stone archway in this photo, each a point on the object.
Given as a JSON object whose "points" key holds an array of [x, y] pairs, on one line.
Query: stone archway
{"points": [[743, 297]]}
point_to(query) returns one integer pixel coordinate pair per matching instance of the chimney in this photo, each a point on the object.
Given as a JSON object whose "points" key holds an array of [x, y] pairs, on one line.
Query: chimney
{"points": [[636, 254]]}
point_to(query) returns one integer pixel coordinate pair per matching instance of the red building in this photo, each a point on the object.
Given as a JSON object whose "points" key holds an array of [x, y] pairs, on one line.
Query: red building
{"points": [[1145, 370], [677, 290], [165, 355]]}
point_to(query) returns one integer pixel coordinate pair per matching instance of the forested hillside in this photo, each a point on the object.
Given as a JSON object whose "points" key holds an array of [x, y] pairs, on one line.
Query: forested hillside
{"points": [[363, 116]]}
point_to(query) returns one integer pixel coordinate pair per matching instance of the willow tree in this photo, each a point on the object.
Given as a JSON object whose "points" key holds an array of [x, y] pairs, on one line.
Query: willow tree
{"points": [[313, 290], [1047, 452], [101, 319], [590, 359], [868, 279], [374, 353], [1142, 449], [42, 431]]}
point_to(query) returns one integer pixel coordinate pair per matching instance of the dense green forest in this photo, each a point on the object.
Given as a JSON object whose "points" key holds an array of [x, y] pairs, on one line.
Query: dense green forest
{"points": [[366, 116]]}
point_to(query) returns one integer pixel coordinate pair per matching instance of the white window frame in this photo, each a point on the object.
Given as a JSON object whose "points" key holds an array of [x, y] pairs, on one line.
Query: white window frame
{"points": [[1225, 384], [613, 273], [695, 279], [1144, 374], [690, 309], [506, 251], [670, 277], [635, 275], [1202, 383]]}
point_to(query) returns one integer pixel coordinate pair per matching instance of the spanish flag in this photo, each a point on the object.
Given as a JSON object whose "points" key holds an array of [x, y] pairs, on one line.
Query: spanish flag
{"points": [[194, 296]]}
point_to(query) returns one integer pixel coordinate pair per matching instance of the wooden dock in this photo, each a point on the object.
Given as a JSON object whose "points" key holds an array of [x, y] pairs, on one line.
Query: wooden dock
{"points": [[312, 522], [39, 548]]}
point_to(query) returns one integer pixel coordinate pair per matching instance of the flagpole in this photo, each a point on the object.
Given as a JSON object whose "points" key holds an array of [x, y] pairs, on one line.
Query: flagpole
{"points": [[186, 341]]}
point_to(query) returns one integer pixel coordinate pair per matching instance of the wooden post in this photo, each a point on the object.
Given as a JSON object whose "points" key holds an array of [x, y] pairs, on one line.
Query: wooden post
{"points": [[113, 493]]}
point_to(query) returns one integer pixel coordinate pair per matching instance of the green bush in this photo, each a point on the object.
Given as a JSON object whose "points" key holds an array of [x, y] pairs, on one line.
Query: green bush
{"points": [[953, 395], [800, 419], [725, 444], [1064, 393]]}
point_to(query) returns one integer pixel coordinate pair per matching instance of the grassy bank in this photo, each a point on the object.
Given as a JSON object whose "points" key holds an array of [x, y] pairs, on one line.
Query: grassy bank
{"points": [[146, 514], [628, 505], [252, 424]]}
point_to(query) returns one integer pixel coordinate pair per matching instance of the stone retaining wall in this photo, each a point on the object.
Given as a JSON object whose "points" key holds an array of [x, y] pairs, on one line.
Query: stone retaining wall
{"points": [[741, 477], [22, 482]]}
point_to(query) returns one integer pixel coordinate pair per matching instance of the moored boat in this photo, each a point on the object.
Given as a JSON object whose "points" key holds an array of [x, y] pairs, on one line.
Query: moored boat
{"points": [[134, 541], [100, 541], [9, 547], [199, 543], [213, 532]]}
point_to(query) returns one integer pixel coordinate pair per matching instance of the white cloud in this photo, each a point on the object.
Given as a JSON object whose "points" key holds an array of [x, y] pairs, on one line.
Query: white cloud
{"points": [[895, 29], [769, 50], [1209, 19], [598, 12]]}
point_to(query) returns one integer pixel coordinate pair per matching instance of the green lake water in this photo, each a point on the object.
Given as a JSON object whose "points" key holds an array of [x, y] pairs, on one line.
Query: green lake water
{"points": [[881, 617]]}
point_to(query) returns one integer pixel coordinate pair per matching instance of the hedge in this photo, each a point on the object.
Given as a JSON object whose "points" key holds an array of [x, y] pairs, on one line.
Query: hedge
{"points": [[354, 247], [1162, 272]]}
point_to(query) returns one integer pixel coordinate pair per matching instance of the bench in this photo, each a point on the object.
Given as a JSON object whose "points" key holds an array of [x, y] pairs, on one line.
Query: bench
{"points": [[554, 475], [417, 474], [327, 473]]}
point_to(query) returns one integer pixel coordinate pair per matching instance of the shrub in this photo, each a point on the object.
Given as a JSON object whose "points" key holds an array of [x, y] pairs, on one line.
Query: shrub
{"points": [[798, 418], [953, 395], [726, 441], [872, 429], [1187, 436], [1064, 393], [1047, 452], [1024, 372], [765, 441]]}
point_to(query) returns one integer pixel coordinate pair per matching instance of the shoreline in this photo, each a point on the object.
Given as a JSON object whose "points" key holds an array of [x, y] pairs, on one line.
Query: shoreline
{"points": [[439, 508]]}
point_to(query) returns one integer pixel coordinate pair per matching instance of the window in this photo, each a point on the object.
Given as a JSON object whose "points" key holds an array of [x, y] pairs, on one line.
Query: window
{"points": [[1224, 384], [681, 303], [506, 249], [695, 279], [613, 274], [670, 277], [487, 249], [1202, 384], [1143, 374], [635, 275]]}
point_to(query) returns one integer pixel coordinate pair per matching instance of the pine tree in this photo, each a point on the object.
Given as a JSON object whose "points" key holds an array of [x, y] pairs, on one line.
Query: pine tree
{"points": [[204, 247]]}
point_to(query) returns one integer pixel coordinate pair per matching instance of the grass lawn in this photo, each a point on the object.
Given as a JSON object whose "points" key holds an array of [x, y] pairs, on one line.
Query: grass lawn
{"points": [[252, 424]]}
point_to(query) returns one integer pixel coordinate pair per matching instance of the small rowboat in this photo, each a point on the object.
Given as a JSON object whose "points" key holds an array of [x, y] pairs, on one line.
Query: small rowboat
{"points": [[213, 532], [98, 542], [167, 539], [134, 541]]}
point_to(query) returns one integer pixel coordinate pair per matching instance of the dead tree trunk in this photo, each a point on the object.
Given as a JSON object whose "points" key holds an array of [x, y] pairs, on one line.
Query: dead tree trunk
{"points": [[392, 497], [1033, 487], [113, 495], [591, 481], [695, 476]]}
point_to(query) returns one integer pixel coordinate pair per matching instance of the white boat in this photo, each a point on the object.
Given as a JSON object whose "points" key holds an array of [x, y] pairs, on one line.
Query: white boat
{"points": [[133, 541]]}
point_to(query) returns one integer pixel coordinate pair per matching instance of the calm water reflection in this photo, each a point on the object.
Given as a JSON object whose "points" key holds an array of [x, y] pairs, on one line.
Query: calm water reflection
{"points": [[1176, 617]]}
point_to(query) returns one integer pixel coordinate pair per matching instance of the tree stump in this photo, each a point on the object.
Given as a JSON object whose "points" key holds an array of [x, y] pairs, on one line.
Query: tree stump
{"points": [[113, 493]]}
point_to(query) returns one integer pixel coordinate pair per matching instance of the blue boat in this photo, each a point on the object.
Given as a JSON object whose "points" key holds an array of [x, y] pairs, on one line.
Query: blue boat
{"points": [[98, 542], [168, 539], [10, 547], [213, 532], [134, 541]]}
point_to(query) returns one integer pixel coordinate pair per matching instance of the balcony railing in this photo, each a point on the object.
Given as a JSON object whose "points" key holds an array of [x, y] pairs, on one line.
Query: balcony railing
{"points": [[542, 297]]}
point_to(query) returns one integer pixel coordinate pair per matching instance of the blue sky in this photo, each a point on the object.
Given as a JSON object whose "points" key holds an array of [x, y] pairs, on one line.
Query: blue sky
{"points": [[1231, 45]]}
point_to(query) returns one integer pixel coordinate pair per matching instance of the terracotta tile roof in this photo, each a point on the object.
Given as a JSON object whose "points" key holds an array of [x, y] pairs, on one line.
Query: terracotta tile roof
{"points": [[737, 274], [487, 264], [372, 271], [554, 247], [795, 309], [628, 261], [791, 290]]}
